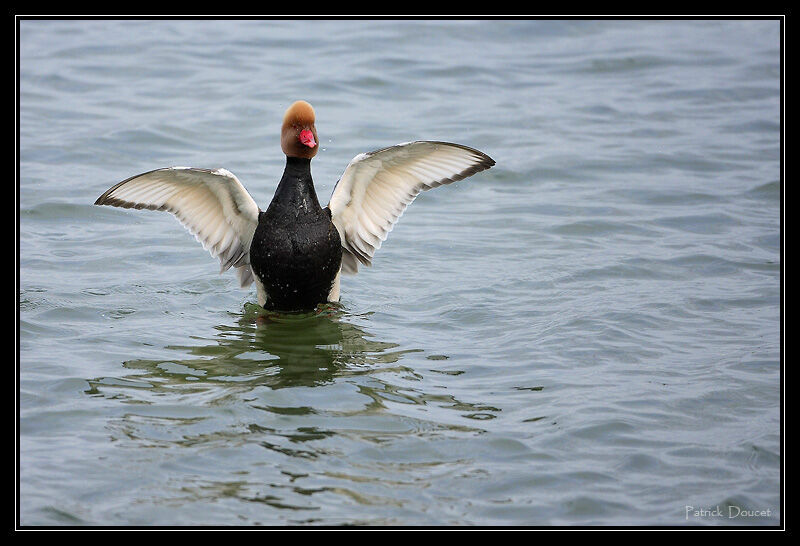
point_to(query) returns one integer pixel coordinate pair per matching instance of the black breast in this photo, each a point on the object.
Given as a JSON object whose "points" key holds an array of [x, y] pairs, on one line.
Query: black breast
{"points": [[296, 251]]}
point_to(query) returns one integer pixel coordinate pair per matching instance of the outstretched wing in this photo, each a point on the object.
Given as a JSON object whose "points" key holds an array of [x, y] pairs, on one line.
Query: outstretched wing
{"points": [[376, 188], [212, 204]]}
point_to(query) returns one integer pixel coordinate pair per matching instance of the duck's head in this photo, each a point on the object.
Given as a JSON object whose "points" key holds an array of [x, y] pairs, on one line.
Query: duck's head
{"points": [[298, 134]]}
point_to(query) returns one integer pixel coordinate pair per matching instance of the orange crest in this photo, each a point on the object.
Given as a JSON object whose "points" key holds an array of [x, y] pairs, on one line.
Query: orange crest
{"points": [[298, 133]]}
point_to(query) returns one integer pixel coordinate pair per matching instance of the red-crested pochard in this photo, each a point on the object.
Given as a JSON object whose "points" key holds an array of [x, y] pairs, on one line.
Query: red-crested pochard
{"points": [[296, 251]]}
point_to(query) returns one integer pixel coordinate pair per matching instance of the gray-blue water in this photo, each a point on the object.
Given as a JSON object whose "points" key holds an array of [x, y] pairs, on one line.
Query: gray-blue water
{"points": [[586, 334]]}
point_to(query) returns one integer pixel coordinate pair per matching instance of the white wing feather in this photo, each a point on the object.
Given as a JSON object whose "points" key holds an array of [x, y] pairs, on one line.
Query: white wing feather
{"points": [[212, 204], [376, 188]]}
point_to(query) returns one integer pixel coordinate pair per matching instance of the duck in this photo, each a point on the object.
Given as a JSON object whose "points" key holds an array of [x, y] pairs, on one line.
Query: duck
{"points": [[296, 251]]}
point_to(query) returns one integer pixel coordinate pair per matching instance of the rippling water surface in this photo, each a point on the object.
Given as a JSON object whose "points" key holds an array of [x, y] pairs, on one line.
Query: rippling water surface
{"points": [[586, 334]]}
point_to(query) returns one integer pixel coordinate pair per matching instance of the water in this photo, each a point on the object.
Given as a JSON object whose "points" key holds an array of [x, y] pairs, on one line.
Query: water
{"points": [[586, 334]]}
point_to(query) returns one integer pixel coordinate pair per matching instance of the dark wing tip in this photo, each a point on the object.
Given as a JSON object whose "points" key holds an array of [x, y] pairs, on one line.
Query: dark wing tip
{"points": [[484, 161], [106, 200]]}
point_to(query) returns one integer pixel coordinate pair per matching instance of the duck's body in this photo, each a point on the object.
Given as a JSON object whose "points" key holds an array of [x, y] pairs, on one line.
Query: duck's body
{"points": [[296, 250]]}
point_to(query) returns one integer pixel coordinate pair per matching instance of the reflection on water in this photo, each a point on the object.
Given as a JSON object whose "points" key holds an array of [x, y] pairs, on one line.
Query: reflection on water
{"points": [[285, 415], [310, 370], [273, 350], [256, 356]]}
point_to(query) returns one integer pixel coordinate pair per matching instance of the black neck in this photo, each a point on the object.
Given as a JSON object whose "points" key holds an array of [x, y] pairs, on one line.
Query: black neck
{"points": [[296, 188], [298, 167]]}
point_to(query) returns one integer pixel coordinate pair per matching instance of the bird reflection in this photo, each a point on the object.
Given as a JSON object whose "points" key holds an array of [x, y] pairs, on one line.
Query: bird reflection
{"points": [[277, 350]]}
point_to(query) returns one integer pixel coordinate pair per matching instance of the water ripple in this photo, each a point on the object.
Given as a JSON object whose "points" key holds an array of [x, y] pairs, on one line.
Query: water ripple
{"points": [[586, 334]]}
